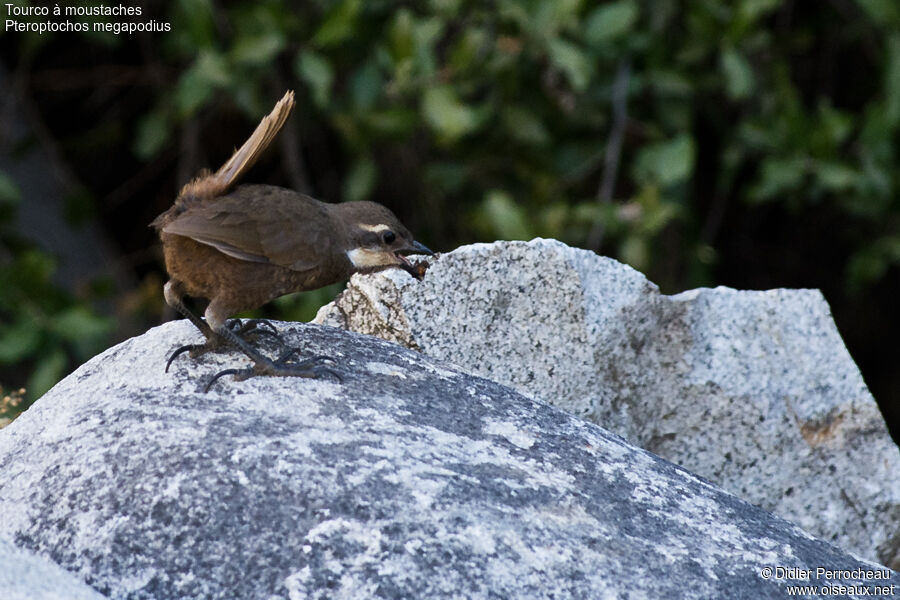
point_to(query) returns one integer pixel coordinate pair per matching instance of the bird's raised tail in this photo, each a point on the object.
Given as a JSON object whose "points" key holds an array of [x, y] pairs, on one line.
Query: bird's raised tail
{"points": [[220, 182]]}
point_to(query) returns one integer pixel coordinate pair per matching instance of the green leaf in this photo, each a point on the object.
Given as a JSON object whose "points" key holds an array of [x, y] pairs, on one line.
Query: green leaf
{"points": [[610, 21], [316, 71], [572, 61], [876, 179], [339, 24], [505, 217], [212, 68], [865, 268], [303, 306], [635, 251], [553, 220], [395, 122], [153, 132], [892, 81], [514, 11], [739, 80], [19, 341], [79, 323], [426, 34], [444, 112], [836, 176], [870, 264], [448, 8], [50, 369], [666, 163], [524, 126], [401, 36], [258, 50], [197, 85], [778, 176], [33, 271], [670, 82], [464, 55], [9, 191], [365, 86], [883, 12], [750, 10], [196, 23], [835, 124], [548, 17], [360, 180]]}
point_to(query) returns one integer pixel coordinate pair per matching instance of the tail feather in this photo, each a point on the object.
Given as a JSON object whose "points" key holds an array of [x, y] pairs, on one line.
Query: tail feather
{"points": [[244, 157], [257, 143]]}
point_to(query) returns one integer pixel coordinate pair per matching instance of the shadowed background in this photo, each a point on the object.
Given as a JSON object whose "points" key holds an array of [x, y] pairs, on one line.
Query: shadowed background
{"points": [[746, 143]]}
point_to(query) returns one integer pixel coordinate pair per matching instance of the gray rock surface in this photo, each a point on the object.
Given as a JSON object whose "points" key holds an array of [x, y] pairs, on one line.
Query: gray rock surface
{"points": [[408, 479], [26, 576], [751, 389]]}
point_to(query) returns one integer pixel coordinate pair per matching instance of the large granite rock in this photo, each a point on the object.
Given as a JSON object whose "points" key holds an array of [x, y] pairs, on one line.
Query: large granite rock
{"points": [[408, 479], [25, 576], [751, 389]]}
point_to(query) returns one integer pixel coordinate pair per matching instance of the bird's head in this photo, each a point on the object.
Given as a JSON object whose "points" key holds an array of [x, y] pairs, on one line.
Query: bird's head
{"points": [[376, 239]]}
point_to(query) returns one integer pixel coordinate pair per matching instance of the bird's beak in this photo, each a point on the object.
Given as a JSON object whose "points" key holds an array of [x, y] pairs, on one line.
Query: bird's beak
{"points": [[420, 249], [416, 270], [414, 248]]}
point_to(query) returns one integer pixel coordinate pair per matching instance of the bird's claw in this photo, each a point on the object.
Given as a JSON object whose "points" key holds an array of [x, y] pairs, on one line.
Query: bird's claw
{"points": [[253, 327], [192, 348], [214, 378], [310, 368], [283, 359]]}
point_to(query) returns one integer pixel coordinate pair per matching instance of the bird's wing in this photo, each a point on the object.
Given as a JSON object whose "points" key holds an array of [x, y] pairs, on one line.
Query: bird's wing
{"points": [[264, 224]]}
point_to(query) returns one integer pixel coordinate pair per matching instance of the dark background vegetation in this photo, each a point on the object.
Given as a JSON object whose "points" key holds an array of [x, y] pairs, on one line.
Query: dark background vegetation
{"points": [[747, 143]]}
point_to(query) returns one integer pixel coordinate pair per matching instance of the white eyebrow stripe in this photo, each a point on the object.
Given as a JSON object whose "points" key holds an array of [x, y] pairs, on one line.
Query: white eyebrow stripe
{"points": [[374, 228]]}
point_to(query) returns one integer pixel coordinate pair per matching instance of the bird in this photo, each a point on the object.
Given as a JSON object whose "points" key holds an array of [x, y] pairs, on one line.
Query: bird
{"points": [[240, 246]]}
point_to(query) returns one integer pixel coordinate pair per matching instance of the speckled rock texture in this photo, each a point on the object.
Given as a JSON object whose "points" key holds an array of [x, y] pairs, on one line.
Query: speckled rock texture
{"points": [[26, 576], [753, 390], [408, 479]]}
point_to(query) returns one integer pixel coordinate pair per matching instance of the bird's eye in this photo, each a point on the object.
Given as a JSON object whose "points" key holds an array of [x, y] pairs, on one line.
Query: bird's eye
{"points": [[388, 237]]}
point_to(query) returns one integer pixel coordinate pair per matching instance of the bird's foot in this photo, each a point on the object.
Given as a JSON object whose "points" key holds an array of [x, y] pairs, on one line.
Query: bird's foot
{"points": [[250, 331], [197, 350], [310, 368]]}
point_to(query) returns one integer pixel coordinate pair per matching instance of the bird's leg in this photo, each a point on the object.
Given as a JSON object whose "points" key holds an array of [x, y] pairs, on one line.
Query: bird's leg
{"points": [[174, 295], [262, 365], [251, 329]]}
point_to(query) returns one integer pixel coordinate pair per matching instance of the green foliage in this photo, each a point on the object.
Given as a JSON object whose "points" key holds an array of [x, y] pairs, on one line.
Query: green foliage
{"points": [[609, 22], [446, 114], [501, 214], [42, 329], [665, 163], [318, 75], [304, 306]]}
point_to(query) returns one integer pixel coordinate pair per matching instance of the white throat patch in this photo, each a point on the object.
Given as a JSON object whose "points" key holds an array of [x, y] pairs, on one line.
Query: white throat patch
{"points": [[363, 258]]}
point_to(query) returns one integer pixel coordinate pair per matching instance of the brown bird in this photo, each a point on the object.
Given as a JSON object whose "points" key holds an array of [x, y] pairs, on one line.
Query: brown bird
{"points": [[240, 247]]}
